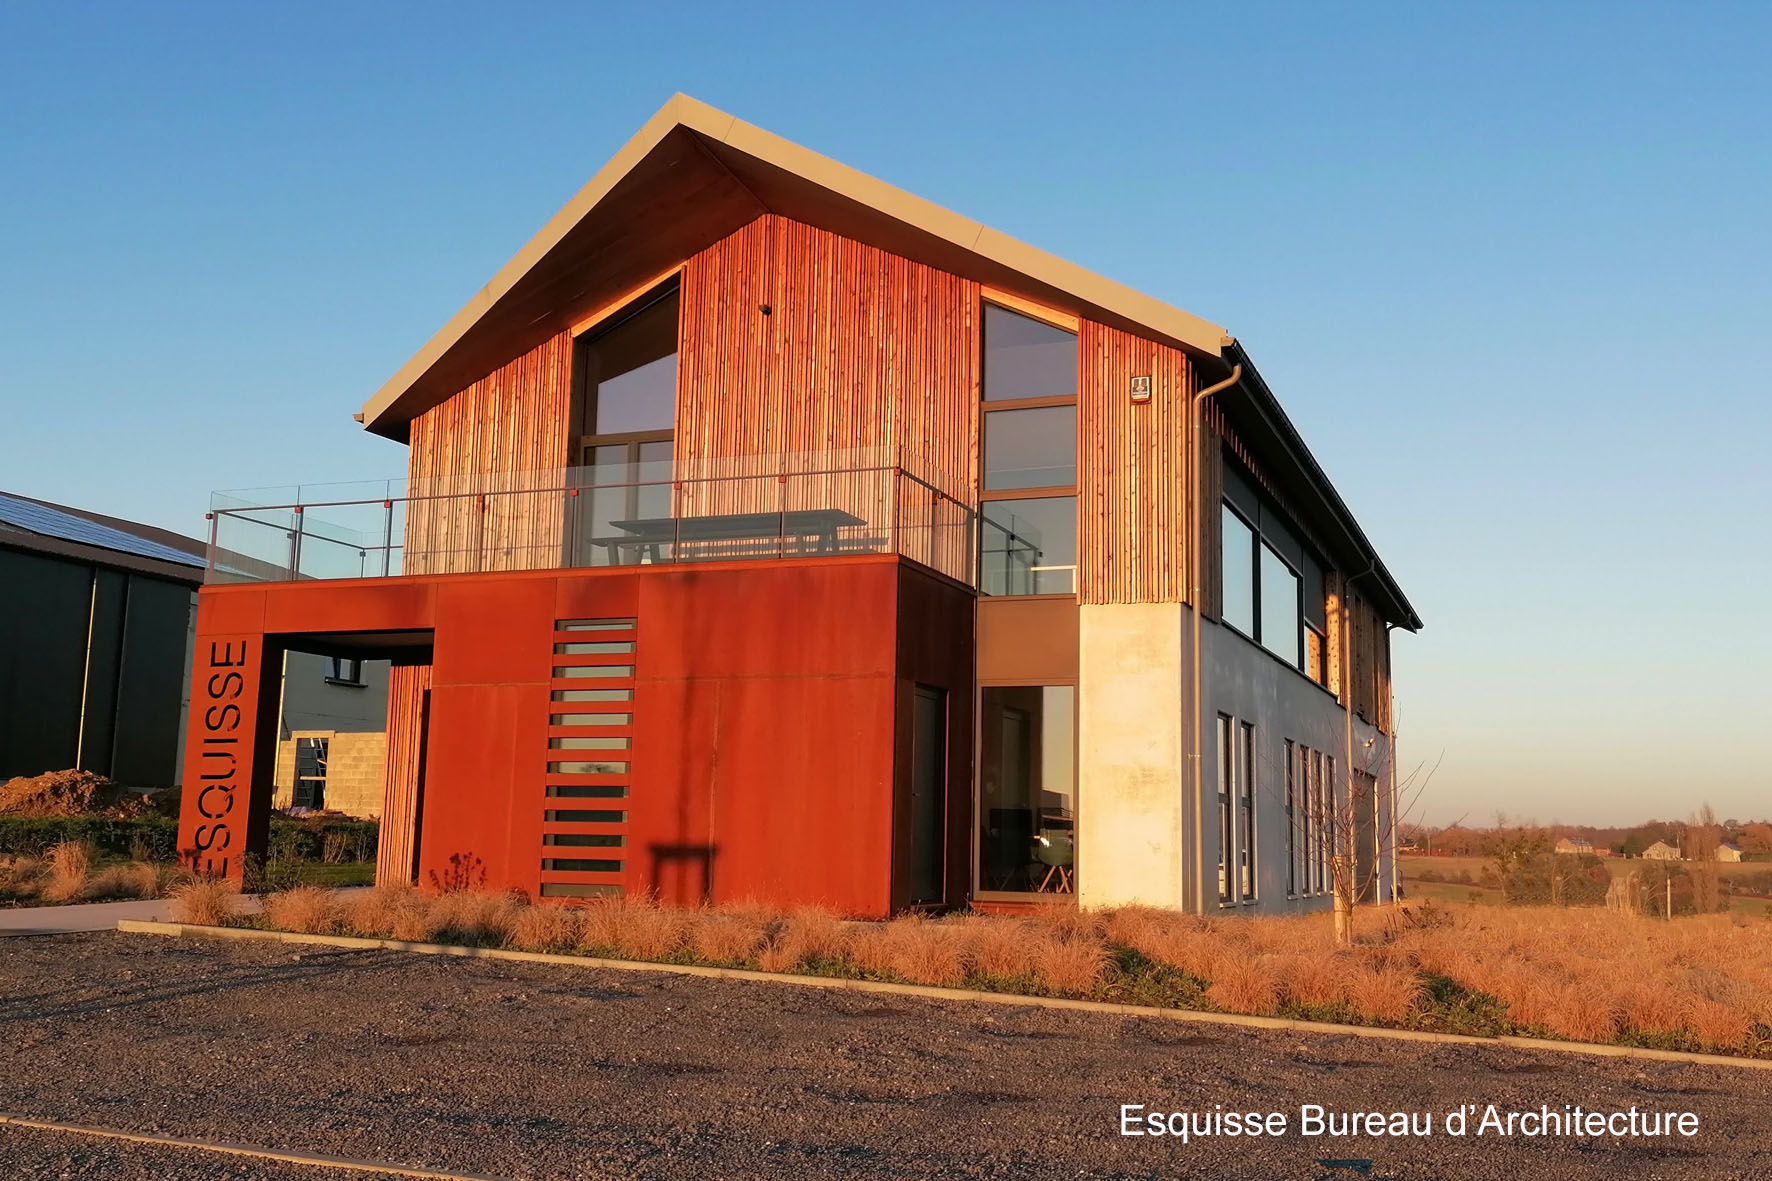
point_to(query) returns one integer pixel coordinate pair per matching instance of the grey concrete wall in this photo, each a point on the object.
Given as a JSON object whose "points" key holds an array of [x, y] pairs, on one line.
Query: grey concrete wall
{"points": [[1135, 734]]}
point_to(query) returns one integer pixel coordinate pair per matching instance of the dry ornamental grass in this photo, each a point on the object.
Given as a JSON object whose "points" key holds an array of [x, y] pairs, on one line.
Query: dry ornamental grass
{"points": [[1698, 983]]}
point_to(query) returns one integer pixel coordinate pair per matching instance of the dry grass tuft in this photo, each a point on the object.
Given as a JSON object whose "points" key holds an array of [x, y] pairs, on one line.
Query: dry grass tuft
{"points": [[1000, 948], [804, 936], [21, 876], [1245, 986], [545, 928], [1385, 994], [474, 916], [307, 910], [206, 902], [727, 936], [1072, 967], [70, 865], [1066, 918], [631, 928], [374, 913], [1318, 978], [137, 879]]}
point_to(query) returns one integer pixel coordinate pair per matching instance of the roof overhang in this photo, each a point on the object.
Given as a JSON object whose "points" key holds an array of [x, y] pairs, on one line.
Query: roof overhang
{"points": [[693, 175], [1262, 423]]}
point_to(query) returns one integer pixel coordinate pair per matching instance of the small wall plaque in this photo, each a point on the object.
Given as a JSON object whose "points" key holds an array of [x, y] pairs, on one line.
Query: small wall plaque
{"points": [[1141, 389]]}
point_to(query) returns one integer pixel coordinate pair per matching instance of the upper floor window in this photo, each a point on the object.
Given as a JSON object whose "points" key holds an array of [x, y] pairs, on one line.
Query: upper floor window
{"points": [[628, 370], [343, 670], [1028, 522], [1272, 587]]}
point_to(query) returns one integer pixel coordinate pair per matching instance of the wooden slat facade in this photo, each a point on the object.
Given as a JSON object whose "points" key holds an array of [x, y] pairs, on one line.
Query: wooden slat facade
{"points": [[796, 344], [1132, 470], [394, 857], [509, 433]]}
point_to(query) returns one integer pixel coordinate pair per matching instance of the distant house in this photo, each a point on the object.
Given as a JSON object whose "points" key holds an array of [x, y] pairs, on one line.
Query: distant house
{"points": [[96, 620], [1728, 853], [1574, 845], [1661, 851]]}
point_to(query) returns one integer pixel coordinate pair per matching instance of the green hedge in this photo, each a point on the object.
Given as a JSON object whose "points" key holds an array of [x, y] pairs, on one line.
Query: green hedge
{"points": [[156, 838]]}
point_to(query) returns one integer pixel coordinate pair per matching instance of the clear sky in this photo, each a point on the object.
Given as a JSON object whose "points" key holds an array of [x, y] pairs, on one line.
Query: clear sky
{"points": [[1508, 267]]}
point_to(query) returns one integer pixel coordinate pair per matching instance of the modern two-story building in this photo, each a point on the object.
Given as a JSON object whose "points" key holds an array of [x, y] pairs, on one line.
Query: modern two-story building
{"points": [[771, 533]]}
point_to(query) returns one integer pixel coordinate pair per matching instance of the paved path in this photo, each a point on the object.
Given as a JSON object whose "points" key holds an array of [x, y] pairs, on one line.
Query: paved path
{"points": [[90, 916], [538, 1072]]}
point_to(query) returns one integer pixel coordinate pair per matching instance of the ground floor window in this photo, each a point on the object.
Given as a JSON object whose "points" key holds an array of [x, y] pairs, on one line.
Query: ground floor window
{"points": [[1027, 789], [310, 773], [1311, 821], [1236, 811]]}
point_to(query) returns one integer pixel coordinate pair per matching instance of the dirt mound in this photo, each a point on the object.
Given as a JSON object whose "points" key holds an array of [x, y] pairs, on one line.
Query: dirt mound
{"points": [[70, 793]]}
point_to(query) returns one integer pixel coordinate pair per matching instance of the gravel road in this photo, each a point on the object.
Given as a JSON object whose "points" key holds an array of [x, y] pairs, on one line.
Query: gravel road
{"points": [[536, 1071]]}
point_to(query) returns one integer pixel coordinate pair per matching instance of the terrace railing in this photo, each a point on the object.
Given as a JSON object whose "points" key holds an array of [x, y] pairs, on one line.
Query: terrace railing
{"points": [[613, 515]]}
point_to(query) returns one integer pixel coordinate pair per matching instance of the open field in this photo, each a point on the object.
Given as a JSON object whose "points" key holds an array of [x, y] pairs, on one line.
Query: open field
{"points": [[1460, 879], [536, 1071]]}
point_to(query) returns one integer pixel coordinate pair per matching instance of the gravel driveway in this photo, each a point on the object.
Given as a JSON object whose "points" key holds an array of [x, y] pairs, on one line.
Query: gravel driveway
{"points": [[537, 1071]]}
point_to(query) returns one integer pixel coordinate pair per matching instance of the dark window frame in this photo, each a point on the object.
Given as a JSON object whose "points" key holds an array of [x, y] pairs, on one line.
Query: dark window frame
{"points": [[987, 407], [1302, 617], [1249, 869]]}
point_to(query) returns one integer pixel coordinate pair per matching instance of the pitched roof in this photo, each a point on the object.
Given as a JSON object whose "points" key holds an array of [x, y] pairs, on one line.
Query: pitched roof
{"points": [[46, 527], [689, 177], [694, 174]]}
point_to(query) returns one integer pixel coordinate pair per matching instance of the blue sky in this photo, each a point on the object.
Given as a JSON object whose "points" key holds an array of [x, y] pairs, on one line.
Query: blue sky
{"points": [[1508, 267]]}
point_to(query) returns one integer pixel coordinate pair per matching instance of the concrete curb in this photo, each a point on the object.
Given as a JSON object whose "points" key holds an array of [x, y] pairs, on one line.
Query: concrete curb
{"points": [[229, 1148], [929, 992]]}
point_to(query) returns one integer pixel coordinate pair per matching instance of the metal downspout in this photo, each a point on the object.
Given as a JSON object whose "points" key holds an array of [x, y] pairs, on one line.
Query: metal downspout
{"points": [[1199, 515]]}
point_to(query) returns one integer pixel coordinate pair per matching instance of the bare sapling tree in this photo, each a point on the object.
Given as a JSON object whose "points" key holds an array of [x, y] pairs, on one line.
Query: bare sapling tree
{"points": [[1704, 836], [1351, 822]]}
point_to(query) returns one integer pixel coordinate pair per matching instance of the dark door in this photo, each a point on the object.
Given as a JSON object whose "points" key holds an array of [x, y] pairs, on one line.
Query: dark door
{"points": [[929, 766]]}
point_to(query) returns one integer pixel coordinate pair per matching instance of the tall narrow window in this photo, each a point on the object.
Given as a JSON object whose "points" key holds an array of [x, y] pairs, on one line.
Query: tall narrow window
{"points": [[626, 376], [1027, 789], [310, 773], [1314, 790], [1291, 819], [1028, 522], [1227, 818], [1246, 809], [1331, 805]]}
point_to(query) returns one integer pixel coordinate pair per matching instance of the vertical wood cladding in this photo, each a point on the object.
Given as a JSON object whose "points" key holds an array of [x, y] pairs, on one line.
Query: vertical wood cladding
{"points": [[795, 341], [512, 424], [395, 849], [1132, 478]]}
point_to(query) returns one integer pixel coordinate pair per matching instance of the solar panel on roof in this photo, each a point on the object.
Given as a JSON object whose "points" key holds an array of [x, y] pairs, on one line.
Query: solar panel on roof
{"points": [[49, 522]]}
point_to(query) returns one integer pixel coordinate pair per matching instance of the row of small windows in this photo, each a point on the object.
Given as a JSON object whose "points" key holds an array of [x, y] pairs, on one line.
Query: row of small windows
{"points": [[1236, 811], [1311, 824]]}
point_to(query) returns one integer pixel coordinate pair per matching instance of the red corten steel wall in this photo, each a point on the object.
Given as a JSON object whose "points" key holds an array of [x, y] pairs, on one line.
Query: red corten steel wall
{"points": [[766, 720]]}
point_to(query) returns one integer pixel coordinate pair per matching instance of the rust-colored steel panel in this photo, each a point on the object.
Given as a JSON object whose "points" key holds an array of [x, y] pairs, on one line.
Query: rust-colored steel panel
{"points": [[224, 809], [227, 609], [378, 604], [493, 631], [1132, 480], [483, 767]]}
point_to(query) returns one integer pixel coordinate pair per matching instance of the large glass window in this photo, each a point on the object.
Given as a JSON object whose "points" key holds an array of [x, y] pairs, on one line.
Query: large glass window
{"points": [[1237, 562], [1026, 358], [1035, 448], [630, 369], [627, 377], [1272, 587], [1029, 546], [1027, 788], [1280, 630]]}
